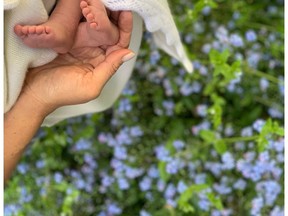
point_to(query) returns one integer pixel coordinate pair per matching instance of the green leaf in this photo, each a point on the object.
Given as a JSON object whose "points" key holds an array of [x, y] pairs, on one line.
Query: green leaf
{"points": [[262, 142], [208, 136], [269, 128], [217, 58], [216, 201], [216, 112], [162, 171], [186, 207], [277, 129], [220, 146], [187, 194]]}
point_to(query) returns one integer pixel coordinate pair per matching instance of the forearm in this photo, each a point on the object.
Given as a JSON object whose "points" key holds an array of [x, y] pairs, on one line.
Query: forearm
{"points": [[20, 125]]}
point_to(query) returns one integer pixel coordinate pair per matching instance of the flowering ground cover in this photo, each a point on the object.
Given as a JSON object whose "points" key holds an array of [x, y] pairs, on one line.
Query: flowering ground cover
{"points": [[207, 143]]}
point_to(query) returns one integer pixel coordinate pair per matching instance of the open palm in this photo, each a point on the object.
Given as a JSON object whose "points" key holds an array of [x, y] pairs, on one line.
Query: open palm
{"points": [[79, 76]]}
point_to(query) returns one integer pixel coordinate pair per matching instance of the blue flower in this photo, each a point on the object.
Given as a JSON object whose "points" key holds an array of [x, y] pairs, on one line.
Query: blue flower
{"points": [[204, 204], [154, 57], [144, 213], [11, 209], [228, 161], [168, 87], [278, 145], [236, 40], [58, 177], [264, 156], [206, 10], [201, 110], [272, 10], [162, 153], [206, 48], [80, 183], [205, 125], [251, 36], [88, 158], [132, 173], [222, 34], [178, 144], [216, 213], [257, 205], [181, 187], [123, 184], [247, 132], [240, 184], [236, 15], [118, 165], [113, 209], [275, 113], [128, 90], [198, 27], [170, 191], [222, 189], [188, 38], [270, 189], [145, 184], [82, 144], [186, 89], [161, 185], [153, 172], [124, 106], [253, 59], [22, 168], [173, 166], [200, 178], [102, 213], [277, 211], [136, 131], [171, 202], [215, 168], [264, 84], [169, 107], [107, 181], [40, 164], [120, 152], [123, 137], [258, 125], [25, 196]]}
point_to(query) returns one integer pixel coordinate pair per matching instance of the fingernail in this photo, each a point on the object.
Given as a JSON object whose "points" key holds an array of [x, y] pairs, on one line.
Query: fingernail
{"points": [[128, 56]]}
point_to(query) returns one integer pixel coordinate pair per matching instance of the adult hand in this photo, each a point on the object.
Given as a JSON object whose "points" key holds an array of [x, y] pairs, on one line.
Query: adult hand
{"points": [[79, 76]]}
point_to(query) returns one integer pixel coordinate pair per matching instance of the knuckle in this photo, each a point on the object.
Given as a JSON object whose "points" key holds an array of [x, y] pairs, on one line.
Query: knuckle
{"points": [[114, 68]]}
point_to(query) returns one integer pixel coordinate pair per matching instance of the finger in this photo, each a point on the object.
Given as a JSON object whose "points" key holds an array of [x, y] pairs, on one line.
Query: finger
{"points": [[105, 70], [125, 24], [114, 17]]}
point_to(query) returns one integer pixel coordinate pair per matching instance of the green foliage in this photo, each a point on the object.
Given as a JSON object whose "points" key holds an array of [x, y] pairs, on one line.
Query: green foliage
{"points": [[269, 129], [211, 111], [193, 14]]}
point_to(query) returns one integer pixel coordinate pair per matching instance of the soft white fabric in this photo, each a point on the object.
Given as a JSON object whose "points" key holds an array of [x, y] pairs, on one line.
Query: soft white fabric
{"points": [[158, 19], [18, 57]]}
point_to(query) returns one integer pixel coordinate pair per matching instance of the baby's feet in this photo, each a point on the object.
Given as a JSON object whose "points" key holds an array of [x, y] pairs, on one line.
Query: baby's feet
{"points": [[42, 36], [100, 28]]}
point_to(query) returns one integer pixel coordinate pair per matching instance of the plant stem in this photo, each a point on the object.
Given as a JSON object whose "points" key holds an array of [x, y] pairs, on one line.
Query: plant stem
{"points": [[238, 139], [260, 74]]}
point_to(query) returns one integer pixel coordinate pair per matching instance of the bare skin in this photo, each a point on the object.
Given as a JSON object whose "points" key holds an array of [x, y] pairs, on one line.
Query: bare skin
{"points": [[72, 78], [60, 30]]}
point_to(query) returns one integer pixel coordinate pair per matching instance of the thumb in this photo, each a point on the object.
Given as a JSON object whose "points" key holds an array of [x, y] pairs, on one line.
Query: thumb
{"points": [[106, 69]]}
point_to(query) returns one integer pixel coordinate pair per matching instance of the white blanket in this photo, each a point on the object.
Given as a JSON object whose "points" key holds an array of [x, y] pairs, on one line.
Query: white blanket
{"points": [[18, 57]]}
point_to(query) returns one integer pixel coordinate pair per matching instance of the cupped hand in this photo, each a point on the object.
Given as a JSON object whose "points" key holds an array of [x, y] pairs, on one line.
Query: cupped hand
{"points": [[80, 75]]}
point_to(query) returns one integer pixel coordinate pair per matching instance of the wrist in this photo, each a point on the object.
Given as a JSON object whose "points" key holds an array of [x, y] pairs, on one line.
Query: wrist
{"points": [[30, 106]]}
